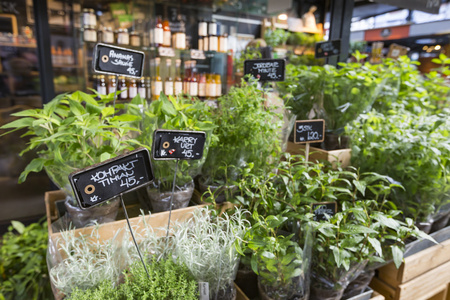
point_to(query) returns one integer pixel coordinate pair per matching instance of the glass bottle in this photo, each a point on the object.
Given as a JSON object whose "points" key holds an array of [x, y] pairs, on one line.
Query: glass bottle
{"points": [[158, 33], [187, 76], [148, 86], [218, 90], [101, 85], [223, 43], [178, 84], [142, 88], [213, 43], [168, 83], [211, 87], [123, 86], [166, 33], [205, 43], [202, 86], [193, 82], [133, 89], [107, 35], [202, 28], [200, 43], [179, 38], [112, 84], [135, 39], [157, 81], [122, 37]]}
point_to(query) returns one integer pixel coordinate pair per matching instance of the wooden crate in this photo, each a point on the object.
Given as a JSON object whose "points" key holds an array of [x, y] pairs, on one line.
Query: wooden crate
{"points": [[422, 276], [315, 154]]}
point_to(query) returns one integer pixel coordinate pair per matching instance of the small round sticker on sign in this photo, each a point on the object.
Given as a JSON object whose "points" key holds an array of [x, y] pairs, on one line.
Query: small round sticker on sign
{"points": [[89, 189], [166, 145], [105, 58]]}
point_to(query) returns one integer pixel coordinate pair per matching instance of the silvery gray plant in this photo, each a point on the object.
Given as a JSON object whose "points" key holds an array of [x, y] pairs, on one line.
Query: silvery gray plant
{"points": [[206, 245], [84, 261]]}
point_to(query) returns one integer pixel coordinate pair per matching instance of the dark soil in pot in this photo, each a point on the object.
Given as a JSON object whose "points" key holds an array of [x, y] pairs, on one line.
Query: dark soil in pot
{"points": [[334, 141], [103, 213], [227, 293], [160, 200], [293, 291], [221, 192], [247, 280], [318, 293], [358, 285]]}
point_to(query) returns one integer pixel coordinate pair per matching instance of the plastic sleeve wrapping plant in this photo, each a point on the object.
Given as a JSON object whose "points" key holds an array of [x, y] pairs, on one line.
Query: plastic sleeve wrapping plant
{"points": [[359, 284], [290, 279], [84, 259], [206, 245], [160, 195], [330, 284]]}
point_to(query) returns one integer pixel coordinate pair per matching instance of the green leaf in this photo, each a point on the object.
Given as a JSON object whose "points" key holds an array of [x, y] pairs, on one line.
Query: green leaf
{"points": [[360, 186], [167, 106], [356, 229], [18, 226], [268, 255], [20, 123], [35, 165], [76, 108], [397, 255], [254, 264], [107, 111], [274, 221], [125, 118], [376, 245], [105, 156]]}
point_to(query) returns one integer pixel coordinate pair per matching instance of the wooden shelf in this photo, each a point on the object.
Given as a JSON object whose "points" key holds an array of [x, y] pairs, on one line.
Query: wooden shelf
{"points": [[17, 45]]}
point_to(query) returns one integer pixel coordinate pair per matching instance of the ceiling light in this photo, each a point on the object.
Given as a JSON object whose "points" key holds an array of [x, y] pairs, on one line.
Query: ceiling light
{"points": [[283, 17], [437, 47]]}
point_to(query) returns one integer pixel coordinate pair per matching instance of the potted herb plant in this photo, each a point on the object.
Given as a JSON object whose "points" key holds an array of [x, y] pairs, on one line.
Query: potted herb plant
{"points": [[206, 245], [173, 113], [247, 134], [72, 132]]}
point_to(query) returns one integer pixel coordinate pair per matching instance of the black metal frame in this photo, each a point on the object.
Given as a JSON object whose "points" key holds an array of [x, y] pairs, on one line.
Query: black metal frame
{"points": [[43, 50], [340, 22]]}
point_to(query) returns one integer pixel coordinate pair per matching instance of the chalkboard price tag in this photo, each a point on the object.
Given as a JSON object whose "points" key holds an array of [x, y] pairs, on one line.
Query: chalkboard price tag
{"points": [[309, 131], [118, 61], [329, 48], [266, 69], [323, 210], [178, 144], [102, 182]]}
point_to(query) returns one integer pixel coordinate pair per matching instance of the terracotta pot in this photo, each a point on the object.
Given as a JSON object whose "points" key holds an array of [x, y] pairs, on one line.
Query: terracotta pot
{"points": [[103, 213], [161, 200]]}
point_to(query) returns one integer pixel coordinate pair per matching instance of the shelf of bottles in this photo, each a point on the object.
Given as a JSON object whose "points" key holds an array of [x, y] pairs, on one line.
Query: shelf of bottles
{"points": [[173, 64]]}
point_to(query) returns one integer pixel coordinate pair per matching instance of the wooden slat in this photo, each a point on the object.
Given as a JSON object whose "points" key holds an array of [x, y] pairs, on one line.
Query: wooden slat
{"points": [[240, 294], [383, 288], [377, 296], [442, 295], [425, 285], [315, 154]]}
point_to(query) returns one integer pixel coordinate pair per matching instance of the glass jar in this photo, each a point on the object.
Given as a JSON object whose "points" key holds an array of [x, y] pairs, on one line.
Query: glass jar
{"points": [[107, 35], [135, 39], [89, 18], [122, 36], [89, 34]]}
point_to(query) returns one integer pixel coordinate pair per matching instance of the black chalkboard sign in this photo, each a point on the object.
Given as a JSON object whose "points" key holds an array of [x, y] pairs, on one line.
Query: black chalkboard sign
{"points": [[266, 69], [118, 61], [178, 144], [323, 210], [102, 182], [309, 131], [326, 49]]}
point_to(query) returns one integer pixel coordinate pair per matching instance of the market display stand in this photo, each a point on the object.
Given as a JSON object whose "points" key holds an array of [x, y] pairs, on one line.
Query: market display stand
{"points": [[343, 156], [424, 275], [107, 231]]}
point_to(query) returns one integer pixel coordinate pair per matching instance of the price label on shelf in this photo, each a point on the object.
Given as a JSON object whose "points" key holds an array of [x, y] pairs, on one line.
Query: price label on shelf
{"points": [[178, 144], [309, 131], [118, 61], [166, 51], [266, 69], [197, 54], [329, 48], [104, 181], [323, 210]]}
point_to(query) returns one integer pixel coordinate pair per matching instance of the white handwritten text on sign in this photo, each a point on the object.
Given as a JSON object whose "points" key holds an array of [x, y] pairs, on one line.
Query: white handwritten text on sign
{"points": [[118, 61], [178, 144], [106, 180], [266, 69], [309, 131]]}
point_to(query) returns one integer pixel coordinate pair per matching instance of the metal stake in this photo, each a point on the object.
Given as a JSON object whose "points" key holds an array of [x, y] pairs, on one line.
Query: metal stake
{"points": [[115, 94], [171, 200], [132, 234]]}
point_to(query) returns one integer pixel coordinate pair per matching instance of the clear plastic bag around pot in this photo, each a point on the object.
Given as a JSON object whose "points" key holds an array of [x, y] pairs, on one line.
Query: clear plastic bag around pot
{"points": [[359, 284], [272, 287], [83, 259], [160, 196], [103, 213], [325, 288], [220, 193]]}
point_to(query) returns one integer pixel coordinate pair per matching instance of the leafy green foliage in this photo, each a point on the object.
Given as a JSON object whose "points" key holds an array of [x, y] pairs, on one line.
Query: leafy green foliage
{"points": [[23, 267], [276, 37], [247, 134], [167, 281], [173, 113], [71, 132]]}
